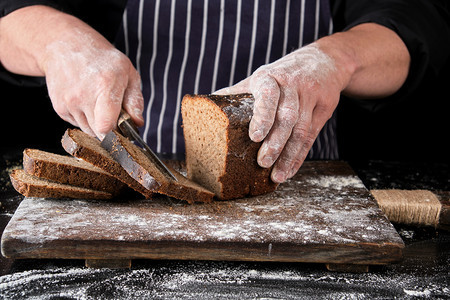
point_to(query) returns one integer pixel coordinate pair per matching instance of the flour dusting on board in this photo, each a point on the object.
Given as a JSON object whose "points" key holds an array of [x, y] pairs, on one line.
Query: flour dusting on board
{"points": [[336, 182], [307, 210]]}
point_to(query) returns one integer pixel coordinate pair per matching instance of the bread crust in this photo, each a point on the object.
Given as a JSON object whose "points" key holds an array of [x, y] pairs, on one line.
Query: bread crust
{"points": [[69, 170], [75, 142], [46, 188]]}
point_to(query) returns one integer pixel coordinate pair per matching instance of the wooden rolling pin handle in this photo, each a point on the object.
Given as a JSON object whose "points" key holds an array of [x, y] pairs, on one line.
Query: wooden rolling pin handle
{"points": [[125, 117], [415, 207]]}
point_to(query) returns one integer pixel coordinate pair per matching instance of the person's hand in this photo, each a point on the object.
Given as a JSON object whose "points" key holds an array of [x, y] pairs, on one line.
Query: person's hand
{"points": [[294, 97], [89, 81]]}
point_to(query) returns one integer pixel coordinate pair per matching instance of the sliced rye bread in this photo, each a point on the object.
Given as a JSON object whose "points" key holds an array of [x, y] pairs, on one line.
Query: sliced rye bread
{"points": [[32, 186], [136, 163], [219, 153], [87, 148], [69, 170]]}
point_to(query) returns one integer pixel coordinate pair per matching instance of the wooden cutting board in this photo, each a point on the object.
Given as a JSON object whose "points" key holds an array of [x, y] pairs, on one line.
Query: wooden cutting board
{"points": [[323, 215]]}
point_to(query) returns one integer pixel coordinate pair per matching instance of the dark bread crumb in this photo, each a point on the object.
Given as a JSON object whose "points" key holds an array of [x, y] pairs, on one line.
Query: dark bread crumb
{"points": [[136, 163], [219, 152]]}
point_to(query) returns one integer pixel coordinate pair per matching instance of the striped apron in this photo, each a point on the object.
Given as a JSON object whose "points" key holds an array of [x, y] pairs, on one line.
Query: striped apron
{"points": [[198, 46]]}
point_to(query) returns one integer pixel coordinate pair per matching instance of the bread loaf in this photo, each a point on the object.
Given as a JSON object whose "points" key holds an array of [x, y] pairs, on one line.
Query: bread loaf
{"points": [[137, 164], [219, 153], [69, 170], [87, 148], [32, 186]]}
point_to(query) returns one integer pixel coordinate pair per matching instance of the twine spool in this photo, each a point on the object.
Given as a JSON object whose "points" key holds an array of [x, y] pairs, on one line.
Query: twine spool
{"points": [[414, 207]]}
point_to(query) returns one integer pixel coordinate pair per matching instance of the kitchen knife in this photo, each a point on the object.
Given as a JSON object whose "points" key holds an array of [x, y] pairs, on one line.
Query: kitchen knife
{"points": [[128, 129]]}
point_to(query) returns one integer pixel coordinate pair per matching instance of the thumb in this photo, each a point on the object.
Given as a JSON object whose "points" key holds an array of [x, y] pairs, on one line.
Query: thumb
{"points": [[241, 87]]}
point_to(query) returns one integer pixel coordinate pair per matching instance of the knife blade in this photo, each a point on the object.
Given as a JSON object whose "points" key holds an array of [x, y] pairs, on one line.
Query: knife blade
{"points": [[129, 129]]}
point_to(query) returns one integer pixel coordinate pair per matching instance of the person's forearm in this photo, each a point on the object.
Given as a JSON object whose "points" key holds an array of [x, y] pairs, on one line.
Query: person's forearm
{"points": [[88, 80], [375, 57], [26, 33]]}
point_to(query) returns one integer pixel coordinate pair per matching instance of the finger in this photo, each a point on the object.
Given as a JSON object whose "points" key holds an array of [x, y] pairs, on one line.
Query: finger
{"points": [[300, 142], [133, 101], [61, 109], [82, 122], [72, 113], [321, 115], [266, 91], [285, 120], [239, 88], [293, 153], [107, 110], [66, 116]]}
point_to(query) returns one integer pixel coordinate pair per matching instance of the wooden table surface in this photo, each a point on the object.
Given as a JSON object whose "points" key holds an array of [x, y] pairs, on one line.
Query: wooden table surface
{"points": [[322, 215], [423, 272]]}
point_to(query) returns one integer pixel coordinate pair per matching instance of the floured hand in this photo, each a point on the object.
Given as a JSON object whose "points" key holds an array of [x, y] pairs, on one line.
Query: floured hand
{"points": [[89, 81], [294, 97]]}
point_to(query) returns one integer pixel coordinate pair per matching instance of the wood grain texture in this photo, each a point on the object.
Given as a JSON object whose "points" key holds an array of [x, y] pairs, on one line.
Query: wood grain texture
{"points": [[323, 215]]}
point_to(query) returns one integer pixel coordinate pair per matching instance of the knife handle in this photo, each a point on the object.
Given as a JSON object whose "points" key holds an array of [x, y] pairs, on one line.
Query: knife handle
{"points": [[124, 117]]}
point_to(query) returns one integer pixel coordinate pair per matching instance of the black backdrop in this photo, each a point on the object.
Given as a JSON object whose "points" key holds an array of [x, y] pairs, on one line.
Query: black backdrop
{"points": [[415, 129]]}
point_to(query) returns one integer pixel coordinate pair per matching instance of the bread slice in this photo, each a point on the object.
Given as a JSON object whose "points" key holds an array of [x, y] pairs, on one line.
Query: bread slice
{"points": [[32, 186], [136, 163], [69, 170], [87, 148], [219, 152]]}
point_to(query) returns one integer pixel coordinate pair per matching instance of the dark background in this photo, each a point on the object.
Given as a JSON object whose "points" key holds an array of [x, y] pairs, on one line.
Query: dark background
{"points": [[416, 129], [29, 120]]}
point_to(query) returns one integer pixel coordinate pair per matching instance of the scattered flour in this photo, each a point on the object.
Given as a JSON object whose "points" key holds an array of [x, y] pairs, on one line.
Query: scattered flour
{"points": [[424, 293], [213, 280], [336, 182]]}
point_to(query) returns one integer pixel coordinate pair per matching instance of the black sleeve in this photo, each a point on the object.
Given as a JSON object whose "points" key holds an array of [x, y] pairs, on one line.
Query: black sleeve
{"points": [[423, 25], [103, 15], [8, 6]]}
